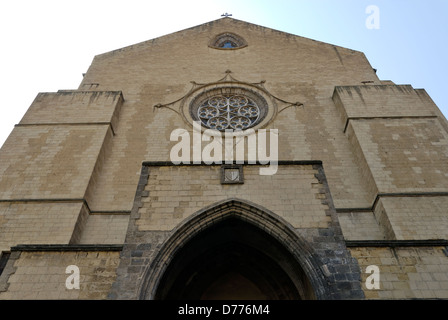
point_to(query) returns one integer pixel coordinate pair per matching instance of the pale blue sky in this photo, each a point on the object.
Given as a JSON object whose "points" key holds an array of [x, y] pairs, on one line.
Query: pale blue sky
{"points": [[48, 44]]}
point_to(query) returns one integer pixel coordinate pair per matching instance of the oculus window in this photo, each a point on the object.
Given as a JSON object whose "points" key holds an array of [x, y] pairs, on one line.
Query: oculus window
{"points": [[235, 109]]}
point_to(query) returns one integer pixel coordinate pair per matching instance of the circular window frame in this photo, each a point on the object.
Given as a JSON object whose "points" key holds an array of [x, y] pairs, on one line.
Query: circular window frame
{"points": [[192, 103], [251, 100]]}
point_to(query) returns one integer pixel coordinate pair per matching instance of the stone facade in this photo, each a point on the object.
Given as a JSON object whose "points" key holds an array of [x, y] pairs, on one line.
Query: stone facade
{"points": [[87, 177], [180, 209], [40, 273]]}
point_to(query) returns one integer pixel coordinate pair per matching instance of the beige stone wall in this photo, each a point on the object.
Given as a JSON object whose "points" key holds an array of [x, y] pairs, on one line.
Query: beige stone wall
{"points": [[405, 273], [176, 192], [399, 218], [294, 68], [363, 165], [416, 218], [49, 162], [384, 101], [37, 223], [399, 156], [42, 275], [360, 225], [71, 107], [405, 155], [105, 229]]}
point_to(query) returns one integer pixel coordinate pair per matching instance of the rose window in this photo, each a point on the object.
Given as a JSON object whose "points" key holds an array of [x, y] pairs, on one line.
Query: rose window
{"points": [[223, 112]]}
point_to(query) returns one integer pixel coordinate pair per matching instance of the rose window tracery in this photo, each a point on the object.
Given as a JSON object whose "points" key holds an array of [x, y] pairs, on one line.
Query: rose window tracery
{"points": [[221, 112]]}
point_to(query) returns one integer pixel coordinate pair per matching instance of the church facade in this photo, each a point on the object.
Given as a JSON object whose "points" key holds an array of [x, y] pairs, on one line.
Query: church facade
{"points": [[227, 161]]}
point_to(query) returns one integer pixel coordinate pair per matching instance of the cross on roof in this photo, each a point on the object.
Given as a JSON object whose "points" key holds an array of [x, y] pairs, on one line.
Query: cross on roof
{"points": [[226, 15]]}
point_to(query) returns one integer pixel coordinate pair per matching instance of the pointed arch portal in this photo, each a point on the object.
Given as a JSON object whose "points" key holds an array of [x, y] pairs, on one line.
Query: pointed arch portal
{"points": [[234, 250], [232, 260]]}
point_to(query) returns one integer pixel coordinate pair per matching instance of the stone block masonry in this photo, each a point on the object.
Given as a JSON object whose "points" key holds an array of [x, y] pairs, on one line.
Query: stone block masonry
{"points": [[38, 272], [72, 183], [170, 197]]}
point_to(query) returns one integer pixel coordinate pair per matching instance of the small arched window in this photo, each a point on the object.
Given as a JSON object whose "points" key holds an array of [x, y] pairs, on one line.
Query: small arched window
{"points": [[228, 40]]}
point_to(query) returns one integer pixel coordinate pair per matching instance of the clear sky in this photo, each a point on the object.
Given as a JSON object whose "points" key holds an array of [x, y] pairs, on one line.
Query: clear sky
{"points": [[47, 44]]}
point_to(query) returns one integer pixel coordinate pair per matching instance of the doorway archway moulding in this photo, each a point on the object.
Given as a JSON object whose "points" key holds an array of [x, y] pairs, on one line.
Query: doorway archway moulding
{"points": [[251, 213]]}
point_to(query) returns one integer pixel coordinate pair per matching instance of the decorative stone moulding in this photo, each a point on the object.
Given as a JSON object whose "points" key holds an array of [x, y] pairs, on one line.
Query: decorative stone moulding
{"points": [[234, 108], [228, 104], [227, 41], [232, 174]]}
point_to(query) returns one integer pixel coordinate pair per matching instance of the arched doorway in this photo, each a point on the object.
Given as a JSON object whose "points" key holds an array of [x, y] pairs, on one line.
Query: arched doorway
{"points": [[234, 251], [233, 260]]}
